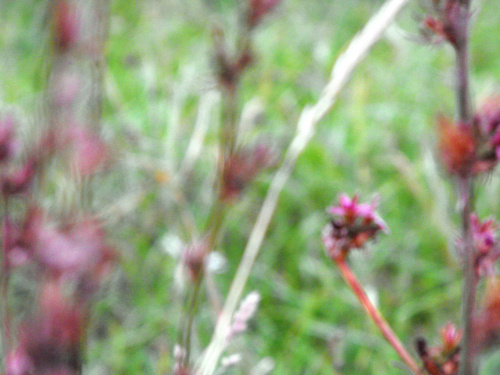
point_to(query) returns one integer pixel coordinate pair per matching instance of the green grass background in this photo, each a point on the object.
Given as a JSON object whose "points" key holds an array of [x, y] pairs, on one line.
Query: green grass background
{"points": [[379, 138]]}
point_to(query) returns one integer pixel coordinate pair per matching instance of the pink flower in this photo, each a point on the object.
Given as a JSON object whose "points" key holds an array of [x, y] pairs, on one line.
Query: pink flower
{"points": [[17, 252], [52, 339], [351, 210], [451, 337], [241, 167], [447, 24], [88, 150], [351, 226], [194, 259], [74, 251], [20, 180], [443, 359], [246, 311], [486, 250], [19, 363]]}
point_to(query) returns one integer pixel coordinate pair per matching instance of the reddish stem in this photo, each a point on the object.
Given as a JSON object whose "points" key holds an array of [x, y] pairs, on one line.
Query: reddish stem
{"points": [[375, 315]]}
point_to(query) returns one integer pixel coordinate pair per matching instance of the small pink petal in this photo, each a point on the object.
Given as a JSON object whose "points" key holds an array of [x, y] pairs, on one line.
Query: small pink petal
{"points": [[89, 150], [336, 211], [346, 202]]}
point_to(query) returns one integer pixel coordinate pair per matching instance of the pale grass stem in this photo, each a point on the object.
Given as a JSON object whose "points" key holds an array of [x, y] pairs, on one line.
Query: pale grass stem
{"points": [[310, 116]]}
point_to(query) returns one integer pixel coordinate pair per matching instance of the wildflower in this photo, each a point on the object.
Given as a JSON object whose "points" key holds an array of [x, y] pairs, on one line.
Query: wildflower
{"points": [[194, 259], [486, 247], [247, 310], [457, 147], [487, 119], [19, 363], [486, 250], [88, 150], [486, 123], [475, 147], [19, 181], [351, 226], [73, 251], [241, 167], [17, 254], [450, 337], [442, 359], [448, 23], [50, 343]]}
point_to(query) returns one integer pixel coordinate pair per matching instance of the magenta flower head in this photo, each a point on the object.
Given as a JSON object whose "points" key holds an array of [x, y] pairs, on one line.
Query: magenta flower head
{"points": [[443, 359], [486, 249], [486, 124], [351, 226], [450, 336], [486, 246]]}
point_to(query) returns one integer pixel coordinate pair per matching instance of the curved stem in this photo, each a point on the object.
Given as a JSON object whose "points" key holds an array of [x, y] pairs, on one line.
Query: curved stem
{"points": [[375, 315]]}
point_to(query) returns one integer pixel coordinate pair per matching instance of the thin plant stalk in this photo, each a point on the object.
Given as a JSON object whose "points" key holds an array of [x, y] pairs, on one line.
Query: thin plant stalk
{"points": [[192, 309], [375, 315], [468, 364], [216, 218]]}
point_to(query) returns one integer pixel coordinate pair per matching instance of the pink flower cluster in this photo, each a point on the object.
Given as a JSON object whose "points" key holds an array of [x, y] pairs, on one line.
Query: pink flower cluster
{"points": [[351, 226], [241, 167], [51, 342], [473, 147], [445, 358], [71, 259], [487, 251]]}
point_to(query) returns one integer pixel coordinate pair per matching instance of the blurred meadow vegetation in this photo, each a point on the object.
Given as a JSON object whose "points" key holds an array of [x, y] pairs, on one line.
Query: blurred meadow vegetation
{"points": [[379, 139]]}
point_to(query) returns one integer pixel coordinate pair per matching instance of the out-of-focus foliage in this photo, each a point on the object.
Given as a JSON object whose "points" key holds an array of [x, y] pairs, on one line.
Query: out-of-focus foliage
{"points": [[379, 138]]}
